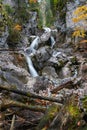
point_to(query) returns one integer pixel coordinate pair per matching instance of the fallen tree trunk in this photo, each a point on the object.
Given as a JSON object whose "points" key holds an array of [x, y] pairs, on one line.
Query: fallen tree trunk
{"points": [[6, 103], [29, 94]]}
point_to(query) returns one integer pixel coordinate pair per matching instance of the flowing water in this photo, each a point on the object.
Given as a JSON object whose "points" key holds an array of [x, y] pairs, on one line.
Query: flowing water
{"points": [[32, 70], [31, 50], [45, 14]]}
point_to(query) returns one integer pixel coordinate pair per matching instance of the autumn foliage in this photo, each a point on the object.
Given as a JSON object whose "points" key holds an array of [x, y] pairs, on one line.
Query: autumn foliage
{"points": [[80, 15], [32, 1], [17, 27]]}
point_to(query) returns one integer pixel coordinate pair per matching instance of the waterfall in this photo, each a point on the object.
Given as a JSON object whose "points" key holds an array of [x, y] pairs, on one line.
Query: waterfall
{"points": [[31, 50], [45, 11], [34, 44], [32, 70], [52, 41]]}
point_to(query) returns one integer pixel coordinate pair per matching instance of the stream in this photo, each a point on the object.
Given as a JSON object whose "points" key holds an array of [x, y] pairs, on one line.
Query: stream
{"points": [[31, 50], [47, 61]]}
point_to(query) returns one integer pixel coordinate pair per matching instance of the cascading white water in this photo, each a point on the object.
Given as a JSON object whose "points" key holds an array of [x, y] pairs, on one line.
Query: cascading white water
{"points": [[32, 70], [32, 49], [35, 43], [52, 41]]}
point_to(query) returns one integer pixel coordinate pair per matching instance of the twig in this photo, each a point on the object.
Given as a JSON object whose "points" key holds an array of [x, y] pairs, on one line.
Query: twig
{"points": [[12, 123], [29, 94]]}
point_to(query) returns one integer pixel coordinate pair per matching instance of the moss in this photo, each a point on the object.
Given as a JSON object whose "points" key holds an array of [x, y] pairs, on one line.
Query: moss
{"points": [[61, 63], [3, 18], [50, 114], [14, 36], [73, 111], [59, 6], [74, 60], [22, 15], [9, 9]]}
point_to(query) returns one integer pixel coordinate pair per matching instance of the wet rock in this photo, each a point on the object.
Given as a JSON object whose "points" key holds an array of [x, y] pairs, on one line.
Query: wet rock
{"points": [[41, 57], [58, 59], [46, 35], [13, 75]]}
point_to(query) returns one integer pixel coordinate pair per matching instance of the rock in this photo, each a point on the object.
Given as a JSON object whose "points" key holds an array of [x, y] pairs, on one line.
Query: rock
{"points": [[84, 72], [66, 72], [84, 68], [41, 57], [41, 83], [49, 72], [9, 2], [46, 35], [3, 39], [13, 75], [58, 59], [30, 28]]}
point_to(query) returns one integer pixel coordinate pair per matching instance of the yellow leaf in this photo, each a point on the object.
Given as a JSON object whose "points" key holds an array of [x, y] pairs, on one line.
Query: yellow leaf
{"points": [[17, 27], [32, 1], [83, 41]]}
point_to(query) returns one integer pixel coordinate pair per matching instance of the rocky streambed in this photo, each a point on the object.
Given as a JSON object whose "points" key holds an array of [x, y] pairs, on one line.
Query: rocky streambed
{"points": [[43, 79], [56, 67]]}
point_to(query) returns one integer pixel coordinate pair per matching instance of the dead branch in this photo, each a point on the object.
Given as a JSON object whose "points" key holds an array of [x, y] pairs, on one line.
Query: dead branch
{"points": [[29, 94], [64, 85], [6, 103]]}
